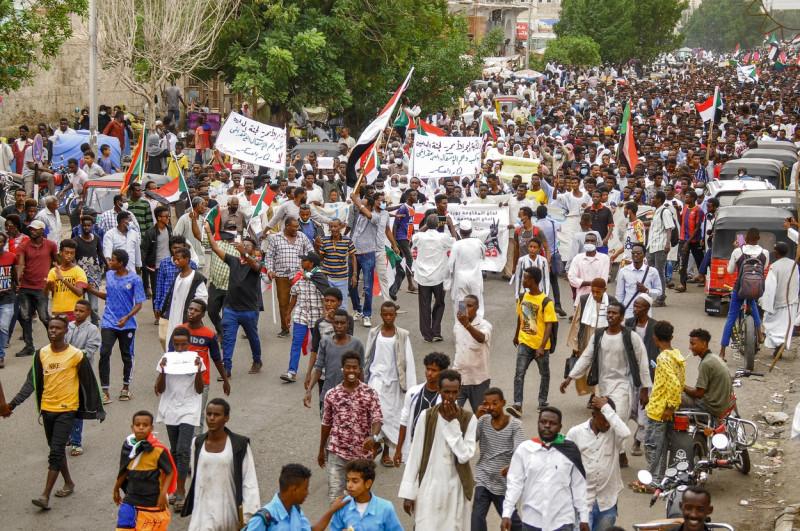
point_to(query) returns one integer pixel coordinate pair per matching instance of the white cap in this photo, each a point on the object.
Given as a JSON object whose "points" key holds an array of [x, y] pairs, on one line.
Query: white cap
{"points": [[465, 225]]}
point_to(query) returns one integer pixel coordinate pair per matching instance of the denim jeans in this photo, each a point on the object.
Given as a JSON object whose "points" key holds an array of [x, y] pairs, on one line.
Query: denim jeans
{"points": [[174, 115], [299, 332], [656, 445], [525, 355], [365, 263], [337, 478], [76, 436], [231, 320], [94, 301], [733, 315], [180, 446], [32, 300], [6, 318], [669, 270], [658, 260], [703, 267], [342, 285], [481, 501], [602, 520]]}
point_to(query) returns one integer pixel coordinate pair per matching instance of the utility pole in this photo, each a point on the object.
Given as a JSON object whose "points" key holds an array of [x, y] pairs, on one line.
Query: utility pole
{"points": [[528, 34], [93, 75]]}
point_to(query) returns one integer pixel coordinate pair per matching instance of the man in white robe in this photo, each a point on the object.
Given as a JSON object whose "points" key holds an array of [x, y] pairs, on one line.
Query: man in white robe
{"points": [[389, 369], [779, 312], [465, 263], [442, 498]]}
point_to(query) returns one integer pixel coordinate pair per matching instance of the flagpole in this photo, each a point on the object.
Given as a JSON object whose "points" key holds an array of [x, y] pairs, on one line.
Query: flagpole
{"points": [[711, 127]]}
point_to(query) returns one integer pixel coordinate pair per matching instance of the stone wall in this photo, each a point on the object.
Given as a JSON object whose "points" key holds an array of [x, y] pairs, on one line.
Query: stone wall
{"points": [[55, 93]]}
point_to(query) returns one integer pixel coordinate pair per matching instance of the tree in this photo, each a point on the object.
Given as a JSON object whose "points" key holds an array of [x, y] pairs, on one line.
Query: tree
{"points": [[624, 29], [32, 35], [148, 42], [577, 51], [731, 25], [349, 55]]}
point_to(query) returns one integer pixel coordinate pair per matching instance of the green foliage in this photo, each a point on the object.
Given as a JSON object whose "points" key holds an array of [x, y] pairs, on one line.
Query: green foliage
{"points": [[577, 51], [349, 55], [731, 24], [624, 29], [32, 36]]}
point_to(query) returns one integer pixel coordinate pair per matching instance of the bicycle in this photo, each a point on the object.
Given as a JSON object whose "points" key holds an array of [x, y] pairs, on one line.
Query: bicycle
{"points": [[744, 337]]}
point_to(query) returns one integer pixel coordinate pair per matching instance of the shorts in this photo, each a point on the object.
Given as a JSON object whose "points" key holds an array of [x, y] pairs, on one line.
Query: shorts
{"points": [[142, 518]]}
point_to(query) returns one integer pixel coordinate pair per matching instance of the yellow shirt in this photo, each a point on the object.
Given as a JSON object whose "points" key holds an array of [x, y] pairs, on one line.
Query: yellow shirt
{"points": [[533, 320], [60, 379], [668, 383], [539, 196], [63, 299], [183, 164]]}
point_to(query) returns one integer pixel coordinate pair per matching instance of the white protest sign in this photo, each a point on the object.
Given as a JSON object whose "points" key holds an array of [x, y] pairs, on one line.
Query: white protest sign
{"points": [[444, 156], [490, 225], [180, 363], [253, 142], [324, 163]]}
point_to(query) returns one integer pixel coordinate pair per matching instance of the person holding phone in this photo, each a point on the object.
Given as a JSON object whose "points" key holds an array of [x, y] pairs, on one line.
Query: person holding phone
{"points": [[472, 335]]}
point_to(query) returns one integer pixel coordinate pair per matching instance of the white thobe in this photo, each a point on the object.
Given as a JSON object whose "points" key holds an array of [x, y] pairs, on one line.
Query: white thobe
{"points": [[440, 500], [215, 507], [179, 294], [779, 313], [383, 377], [466, 276]]}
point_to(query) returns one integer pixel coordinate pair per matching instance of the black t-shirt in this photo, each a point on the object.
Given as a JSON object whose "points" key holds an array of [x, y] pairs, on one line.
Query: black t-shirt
{"points": [[421, 198], [442, 219], [601, 219], [244, 289]]}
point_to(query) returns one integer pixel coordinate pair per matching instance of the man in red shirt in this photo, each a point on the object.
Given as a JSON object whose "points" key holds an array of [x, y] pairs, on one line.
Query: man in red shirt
{"points": [[8, 281], [692, 219], [116, 128], [36, 256]]}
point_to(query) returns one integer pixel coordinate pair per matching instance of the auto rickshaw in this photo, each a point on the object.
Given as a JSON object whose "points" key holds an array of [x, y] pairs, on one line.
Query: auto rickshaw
{"points": [[774, 144], [776, 198], [767, 169], [729, 223], [785, 157]]}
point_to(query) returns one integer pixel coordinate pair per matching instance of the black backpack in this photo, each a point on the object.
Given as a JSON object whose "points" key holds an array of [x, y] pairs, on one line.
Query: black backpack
{"points": [[676, 230]]}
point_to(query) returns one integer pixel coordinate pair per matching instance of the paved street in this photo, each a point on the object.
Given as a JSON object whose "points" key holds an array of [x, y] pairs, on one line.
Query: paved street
{"points": [[282, 430]]}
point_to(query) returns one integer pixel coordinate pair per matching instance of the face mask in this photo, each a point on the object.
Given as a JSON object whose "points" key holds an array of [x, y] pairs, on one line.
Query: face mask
{"points": [[589, 247], [398, 161], [403, 186], [102, 113], [382, 204], [232, 209], [124, 206], [306, 222], [337, 178]]}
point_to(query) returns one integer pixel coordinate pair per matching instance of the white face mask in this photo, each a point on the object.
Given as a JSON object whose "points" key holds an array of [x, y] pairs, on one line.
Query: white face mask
{"points": [[124, 206], [589, 247], [403, 185], [398, 161], [337, 178]]}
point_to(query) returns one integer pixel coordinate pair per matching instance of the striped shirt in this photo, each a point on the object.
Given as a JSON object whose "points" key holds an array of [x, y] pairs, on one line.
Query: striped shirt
{"points": [[497, 447], [661, 222], [691, 217], [141, 211], [335, 256]]}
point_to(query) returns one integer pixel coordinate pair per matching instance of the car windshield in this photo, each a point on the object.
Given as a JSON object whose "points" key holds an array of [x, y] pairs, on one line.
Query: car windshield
{"points": [[101, 198]]}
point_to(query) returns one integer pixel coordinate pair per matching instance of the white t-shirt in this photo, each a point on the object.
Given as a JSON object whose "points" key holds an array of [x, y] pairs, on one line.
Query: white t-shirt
{"points": [[180, 403]]}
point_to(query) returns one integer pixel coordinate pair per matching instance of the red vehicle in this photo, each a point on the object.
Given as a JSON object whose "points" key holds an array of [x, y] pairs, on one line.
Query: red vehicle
{"points": [[730, 223]]}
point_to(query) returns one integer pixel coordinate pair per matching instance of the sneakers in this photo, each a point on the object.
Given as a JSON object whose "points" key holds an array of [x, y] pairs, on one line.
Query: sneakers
{"points": [[106, 397], [515, 411], [436, 339], [288, 377], [366, 321], [255, 368], [283, 333], [27, 351], [357, 316], [560, 312], [659, 304]]}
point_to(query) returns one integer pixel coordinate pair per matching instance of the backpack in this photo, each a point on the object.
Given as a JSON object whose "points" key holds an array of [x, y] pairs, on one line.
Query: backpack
{"points": [[675, 236], [750, 280], [535, 235]]}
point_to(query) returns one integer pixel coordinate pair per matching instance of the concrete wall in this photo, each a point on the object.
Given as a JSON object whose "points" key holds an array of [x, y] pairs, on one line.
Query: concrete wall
{"points": [[55, 93]]}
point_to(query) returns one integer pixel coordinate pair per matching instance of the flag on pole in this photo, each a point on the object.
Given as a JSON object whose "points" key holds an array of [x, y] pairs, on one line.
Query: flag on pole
{"points": [[773, 40], [403, 119], [773, 50], [370, 164], [214, 218], [136, 169], [263, 201], [486, 127], [709, 108], [747, 74], [627, 145], [783, 59], [370, 134], [736, 50], [173, 191], [425, 129], [756, 57], [746, 58]]}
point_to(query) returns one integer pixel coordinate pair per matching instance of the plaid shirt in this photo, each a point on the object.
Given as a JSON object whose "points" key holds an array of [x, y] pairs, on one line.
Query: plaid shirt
{"points": [[350, 417], [308, 308], [283, 257], [108, 221], [661, 222], [220, 273], [166, 274]]}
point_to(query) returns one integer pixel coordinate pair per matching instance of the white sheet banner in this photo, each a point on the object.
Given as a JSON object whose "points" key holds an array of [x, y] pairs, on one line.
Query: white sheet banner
{"points": [[180, 363], [253, 142], [490, 225], [445, 156]]}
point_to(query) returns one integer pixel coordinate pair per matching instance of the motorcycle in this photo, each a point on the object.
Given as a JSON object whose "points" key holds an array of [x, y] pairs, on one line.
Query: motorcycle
{"points": [[693, 429], [8, 187]]}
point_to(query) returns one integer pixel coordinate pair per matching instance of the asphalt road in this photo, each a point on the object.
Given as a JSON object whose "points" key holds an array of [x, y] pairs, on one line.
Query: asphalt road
{"points": [[271, 413]]}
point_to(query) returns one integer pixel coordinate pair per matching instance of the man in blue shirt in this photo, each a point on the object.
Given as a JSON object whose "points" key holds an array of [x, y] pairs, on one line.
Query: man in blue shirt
{"points": [[283, 513], [364, 511], [124, 296]]}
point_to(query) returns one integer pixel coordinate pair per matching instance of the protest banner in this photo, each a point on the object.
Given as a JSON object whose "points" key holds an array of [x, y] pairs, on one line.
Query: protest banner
{"points": [[445, 156], [518, 166], [180, 362], [490, 225], [254, 142], [325, 163]]}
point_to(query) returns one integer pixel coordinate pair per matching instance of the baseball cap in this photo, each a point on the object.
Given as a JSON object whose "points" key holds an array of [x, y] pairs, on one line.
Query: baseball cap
{"points": [[228, 231], [311, 257], [37, 224]]}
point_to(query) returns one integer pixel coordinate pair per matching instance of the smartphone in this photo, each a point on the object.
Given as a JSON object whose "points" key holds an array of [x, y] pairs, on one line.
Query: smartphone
{"points": [[462, 306], [740, 239]]}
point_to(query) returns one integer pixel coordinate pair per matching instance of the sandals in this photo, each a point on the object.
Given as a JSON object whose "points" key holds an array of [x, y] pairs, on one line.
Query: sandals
{"points": [[180, 500], [288, 377], [386, 460], [106, 398], [125, 395], [680, 289], [76, 451], [640, 488], [64, 492], [41, 502], [637, 451]]}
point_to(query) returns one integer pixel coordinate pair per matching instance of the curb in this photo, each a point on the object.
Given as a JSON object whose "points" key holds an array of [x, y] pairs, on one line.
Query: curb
{"points": [[786, 518]]}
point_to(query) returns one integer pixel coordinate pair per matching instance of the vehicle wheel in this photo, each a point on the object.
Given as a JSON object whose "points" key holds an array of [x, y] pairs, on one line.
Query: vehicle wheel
{"points": [[8, 197], [744, 466], [699, 448], [749, 342]]}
